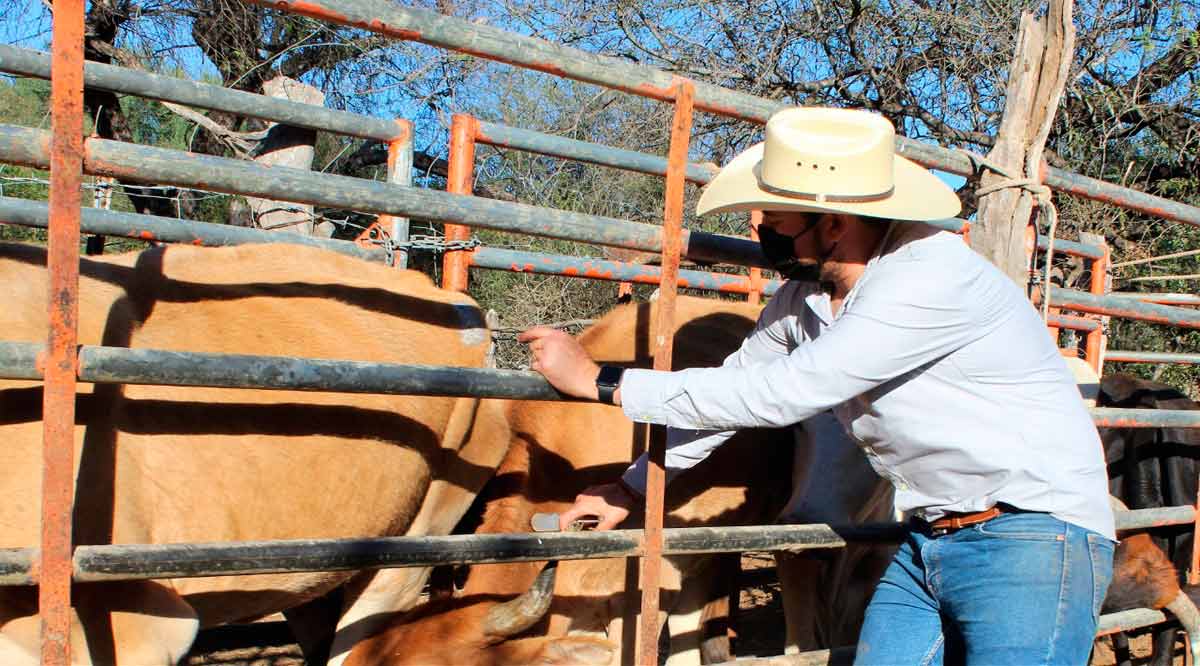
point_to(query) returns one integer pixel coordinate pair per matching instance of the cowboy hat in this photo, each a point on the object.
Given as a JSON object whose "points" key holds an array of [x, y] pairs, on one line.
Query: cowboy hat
{"points": [[829, 160]]}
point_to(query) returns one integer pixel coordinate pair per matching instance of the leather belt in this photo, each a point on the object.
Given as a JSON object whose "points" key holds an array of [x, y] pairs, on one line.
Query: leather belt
{"points": [[954, 522]]}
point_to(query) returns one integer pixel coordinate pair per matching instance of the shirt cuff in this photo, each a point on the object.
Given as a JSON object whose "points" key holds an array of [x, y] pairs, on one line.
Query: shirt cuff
{"points": [[644, 394]]}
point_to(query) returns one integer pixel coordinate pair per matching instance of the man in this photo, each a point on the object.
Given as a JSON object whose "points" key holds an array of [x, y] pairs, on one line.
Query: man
{"points": [[936, 365]]}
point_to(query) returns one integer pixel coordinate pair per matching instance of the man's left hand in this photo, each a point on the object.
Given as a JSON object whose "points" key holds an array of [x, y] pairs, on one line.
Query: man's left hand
{"points": [[562, 361]]}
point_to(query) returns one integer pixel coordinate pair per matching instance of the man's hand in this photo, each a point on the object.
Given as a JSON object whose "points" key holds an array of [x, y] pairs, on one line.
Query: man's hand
{"points": [[562, 360], [611, 503]]}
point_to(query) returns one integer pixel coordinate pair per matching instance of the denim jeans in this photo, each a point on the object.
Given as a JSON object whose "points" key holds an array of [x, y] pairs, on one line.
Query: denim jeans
{"points": [[1022, 589]]}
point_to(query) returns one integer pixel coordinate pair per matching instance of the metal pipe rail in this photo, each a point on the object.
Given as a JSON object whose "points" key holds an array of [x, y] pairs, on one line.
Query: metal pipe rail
{"points": [[30, 147], [192, 560], [120, 365], [138, 562], [1122, 356], [1164, 299], [484, 41], [36, 64], [1128, 308], [605, 269], [36, 214], [503, 136], [27, 213]]}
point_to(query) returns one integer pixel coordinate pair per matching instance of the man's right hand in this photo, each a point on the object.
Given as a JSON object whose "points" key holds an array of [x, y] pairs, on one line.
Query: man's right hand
{"points": [[610, 503]]}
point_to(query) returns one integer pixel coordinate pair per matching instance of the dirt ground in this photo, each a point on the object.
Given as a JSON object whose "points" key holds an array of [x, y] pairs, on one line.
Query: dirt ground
{"points": [[757, 630]]}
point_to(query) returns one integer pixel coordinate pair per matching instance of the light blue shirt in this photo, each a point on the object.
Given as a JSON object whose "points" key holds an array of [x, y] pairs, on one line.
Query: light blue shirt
{"points": [[937, 366]]}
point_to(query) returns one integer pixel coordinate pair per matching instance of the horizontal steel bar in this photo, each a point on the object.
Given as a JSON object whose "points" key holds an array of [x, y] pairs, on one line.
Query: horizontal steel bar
{"points": [[388, 18], [26, 62], [1165, 299], [1073, 323], [1112, 417], [604, 269], [1131, 619], [1128, 308], [135, 562], [118, 365], [1137, 519], [582, 151], [29, 213], [127, 161], [1120, 356]]}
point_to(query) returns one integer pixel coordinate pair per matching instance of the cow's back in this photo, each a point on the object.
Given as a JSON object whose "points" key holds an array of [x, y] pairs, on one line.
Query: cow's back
{"points": [[176, 464]]}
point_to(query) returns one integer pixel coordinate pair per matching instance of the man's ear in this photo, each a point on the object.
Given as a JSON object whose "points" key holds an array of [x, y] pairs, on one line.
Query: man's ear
{"points": [[837, 225]]}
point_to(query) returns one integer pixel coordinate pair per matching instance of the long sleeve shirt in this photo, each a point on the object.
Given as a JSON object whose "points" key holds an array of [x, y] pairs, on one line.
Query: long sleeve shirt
{"points": [[938, 367]]}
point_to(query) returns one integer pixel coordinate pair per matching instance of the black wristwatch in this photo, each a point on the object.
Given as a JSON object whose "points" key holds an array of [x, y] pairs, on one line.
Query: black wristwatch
{"points": [[607, 382]]}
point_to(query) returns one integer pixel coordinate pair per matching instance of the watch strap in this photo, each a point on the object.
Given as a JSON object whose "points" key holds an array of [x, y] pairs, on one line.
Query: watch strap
{"points": [[607, 382]]}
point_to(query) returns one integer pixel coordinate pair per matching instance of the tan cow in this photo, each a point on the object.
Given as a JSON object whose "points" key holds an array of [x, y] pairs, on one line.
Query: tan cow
{"points": [[173, 464], [559, 449]]}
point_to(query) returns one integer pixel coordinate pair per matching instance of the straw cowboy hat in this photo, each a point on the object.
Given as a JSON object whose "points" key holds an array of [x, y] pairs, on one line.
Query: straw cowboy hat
{"points": [[829, 160]]}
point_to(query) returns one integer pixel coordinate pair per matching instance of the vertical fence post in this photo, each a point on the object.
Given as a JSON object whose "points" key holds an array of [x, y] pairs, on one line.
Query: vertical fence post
{"points": [[756, 281], [58, 402], [1099, 285], [460, 174], [399, 171], [664, 327]]}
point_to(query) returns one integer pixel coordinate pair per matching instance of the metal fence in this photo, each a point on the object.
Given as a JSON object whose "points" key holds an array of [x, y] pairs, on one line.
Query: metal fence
{"points": [[61, 363]]}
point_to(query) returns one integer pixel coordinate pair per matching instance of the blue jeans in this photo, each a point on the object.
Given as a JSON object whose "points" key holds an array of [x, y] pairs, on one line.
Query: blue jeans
{"points": [[1022, 588]]}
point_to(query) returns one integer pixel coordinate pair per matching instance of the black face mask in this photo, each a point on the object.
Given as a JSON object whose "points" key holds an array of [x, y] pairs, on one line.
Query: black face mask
{"points": [[780, 250]]}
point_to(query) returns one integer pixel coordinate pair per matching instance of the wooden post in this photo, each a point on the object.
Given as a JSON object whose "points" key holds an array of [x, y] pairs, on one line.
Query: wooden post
{"points": [[1036, 80]]}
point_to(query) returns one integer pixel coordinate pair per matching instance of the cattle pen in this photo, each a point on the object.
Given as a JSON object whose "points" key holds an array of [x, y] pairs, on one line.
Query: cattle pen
{"points": [[60, 363]]}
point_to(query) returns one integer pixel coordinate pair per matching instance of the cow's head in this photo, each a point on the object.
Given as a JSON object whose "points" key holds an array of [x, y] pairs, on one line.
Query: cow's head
{"points": [[485, 632]]}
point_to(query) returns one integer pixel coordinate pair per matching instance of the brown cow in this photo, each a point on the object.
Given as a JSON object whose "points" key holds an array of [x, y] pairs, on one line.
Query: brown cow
{"points": [[559, 449], [175, 464]]}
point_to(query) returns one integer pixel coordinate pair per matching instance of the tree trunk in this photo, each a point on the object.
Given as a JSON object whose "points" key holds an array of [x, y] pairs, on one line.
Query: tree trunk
{"points": [[1036, 80]]}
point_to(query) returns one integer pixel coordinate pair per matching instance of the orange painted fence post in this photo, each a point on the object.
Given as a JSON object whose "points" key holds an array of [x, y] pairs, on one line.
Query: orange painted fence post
{"points": [[58, 402], [399, 171], [756, 280], [664, 325], [460, 177]]}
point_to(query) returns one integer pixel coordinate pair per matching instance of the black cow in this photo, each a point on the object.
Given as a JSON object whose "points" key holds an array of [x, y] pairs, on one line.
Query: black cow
{"points": [[1150, 468]]}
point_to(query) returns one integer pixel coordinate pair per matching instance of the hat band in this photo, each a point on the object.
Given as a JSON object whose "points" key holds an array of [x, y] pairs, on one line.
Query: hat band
{"points": [[835, 198]]}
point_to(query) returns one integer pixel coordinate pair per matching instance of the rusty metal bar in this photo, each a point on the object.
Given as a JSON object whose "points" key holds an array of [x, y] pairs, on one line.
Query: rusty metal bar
{"points": [[1121, 356], [492, 43], [1164, 299], [1128, 308], [1095, 341], [29, 147], [58, 361], [27, 213], [757, 291], [460, 177], [193, 560], [399, 171], [618, 271], [581, 151], [119, 365], [1073, 323], [26, 62], [664, 325], [1113, 417], [1073, 248], [137, 562], [107, 365]]}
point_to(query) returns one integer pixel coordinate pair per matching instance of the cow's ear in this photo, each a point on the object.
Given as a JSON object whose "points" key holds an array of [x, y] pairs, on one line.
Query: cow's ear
{"points": [[577, 650]]}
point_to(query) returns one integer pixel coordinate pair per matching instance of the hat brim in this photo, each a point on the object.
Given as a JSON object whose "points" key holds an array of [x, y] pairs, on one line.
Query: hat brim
{"points": [[918, 196]]}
